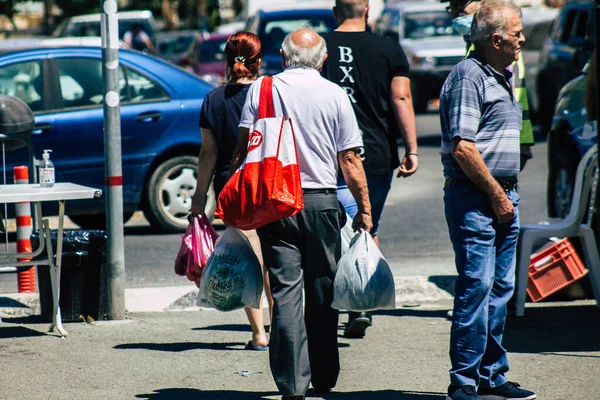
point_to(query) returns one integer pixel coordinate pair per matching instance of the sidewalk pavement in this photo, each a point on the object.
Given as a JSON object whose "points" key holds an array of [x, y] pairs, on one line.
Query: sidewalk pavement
{"points": [[195, 353], [554, 350]]}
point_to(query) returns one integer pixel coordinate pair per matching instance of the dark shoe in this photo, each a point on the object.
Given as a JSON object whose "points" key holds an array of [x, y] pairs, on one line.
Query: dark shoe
{"points": [[462, 393], [293, 397], [507, 391], [357, 325]]}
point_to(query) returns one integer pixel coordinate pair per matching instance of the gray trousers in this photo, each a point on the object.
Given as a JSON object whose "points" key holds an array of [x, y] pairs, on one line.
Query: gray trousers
{"points": [[304, 250]]}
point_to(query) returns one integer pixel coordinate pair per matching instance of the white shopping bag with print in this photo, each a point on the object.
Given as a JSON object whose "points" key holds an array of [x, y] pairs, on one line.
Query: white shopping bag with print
{"points": [[232, 278]]}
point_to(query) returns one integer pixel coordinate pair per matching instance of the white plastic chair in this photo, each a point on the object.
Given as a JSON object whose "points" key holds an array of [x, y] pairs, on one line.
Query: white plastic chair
{"points": [[571, 226]]}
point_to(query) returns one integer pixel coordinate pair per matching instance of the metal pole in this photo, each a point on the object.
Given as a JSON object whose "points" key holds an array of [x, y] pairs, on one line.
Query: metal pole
{"points": [[115, 276]]}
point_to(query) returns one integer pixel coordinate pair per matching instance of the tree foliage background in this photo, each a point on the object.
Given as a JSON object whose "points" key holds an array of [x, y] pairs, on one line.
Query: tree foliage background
{"points": [[177, 14], [76, 7]]}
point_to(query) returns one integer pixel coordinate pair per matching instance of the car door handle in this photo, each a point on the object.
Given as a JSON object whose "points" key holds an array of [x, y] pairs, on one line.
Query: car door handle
{"points": [[148, 117], [40, 128]]}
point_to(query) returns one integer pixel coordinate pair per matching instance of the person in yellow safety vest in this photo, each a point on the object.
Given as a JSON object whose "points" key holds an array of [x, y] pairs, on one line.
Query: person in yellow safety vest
{"points": [[462, 17]]}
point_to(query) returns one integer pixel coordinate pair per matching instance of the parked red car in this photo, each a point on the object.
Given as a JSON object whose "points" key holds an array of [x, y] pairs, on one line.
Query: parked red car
{"points": [[206, 58]]}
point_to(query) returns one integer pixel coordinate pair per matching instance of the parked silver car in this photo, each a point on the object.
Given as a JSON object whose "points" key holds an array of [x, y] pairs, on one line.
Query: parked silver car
{"points": [[433, 47], [89, 24]]}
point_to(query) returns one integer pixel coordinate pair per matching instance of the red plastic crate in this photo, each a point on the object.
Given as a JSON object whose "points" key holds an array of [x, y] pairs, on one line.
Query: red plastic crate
{"points": [[552, 269]]}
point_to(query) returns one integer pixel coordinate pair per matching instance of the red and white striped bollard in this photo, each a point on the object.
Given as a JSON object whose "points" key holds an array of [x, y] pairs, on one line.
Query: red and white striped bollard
{"points": [[25, 279]]}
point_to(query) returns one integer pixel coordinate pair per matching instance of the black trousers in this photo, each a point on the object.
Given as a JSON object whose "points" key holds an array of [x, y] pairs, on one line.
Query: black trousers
{"points": [[303, 250]]}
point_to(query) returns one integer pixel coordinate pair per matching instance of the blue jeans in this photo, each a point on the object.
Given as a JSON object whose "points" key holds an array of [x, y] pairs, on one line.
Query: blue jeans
{"points": [[379, 186], [485, 256]]}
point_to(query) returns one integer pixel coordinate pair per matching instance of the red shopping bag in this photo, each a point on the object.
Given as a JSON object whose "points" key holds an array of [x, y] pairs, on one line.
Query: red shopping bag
{"points": [[267, 186], [197, 245]]}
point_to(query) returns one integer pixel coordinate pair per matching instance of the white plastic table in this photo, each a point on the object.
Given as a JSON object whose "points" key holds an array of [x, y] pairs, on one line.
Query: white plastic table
{"points": [[34, 193]]}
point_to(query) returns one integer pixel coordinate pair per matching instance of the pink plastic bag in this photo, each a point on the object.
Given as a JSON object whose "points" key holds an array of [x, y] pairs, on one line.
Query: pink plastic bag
{"points": [[197, 244]]}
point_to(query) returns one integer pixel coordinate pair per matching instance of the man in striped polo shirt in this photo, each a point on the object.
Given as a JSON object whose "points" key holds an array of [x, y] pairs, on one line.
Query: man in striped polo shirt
{"points": [[462, 17], [481, 120]]}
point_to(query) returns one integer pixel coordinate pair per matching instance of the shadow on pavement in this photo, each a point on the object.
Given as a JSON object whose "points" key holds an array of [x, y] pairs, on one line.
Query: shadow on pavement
{"points": [[24, 320], [413, 312], [7, 302], [554, 329], [444, 282], [187, 346], [196, 394], [9, 332], [189, 394], [385, 395], [181, 346], [228, 327]]}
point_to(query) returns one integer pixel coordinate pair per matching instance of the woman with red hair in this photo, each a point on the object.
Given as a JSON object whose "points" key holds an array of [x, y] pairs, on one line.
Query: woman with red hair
{"points": [[219, 119]]}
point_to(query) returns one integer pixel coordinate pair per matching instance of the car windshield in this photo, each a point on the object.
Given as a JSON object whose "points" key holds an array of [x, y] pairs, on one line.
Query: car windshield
{"points": [[273, 32], [419, 25], [174, 45], [212, 51]]}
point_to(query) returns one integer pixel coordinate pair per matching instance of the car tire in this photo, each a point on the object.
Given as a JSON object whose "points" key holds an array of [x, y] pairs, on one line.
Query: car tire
{"points": [[169, 193], [561, 179], [95, 221]]}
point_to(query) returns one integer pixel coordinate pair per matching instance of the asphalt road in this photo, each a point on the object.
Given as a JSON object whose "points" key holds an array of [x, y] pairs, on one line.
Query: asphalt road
{"points": [[413, 232], [198, 355]]}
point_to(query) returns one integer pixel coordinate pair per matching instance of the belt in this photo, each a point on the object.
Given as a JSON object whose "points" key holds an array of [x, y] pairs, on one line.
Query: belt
{"points": [[507, 184], [319, 191]]}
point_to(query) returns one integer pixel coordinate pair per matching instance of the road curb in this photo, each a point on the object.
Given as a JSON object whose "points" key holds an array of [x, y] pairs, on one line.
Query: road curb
{"points": [[410, 291]]}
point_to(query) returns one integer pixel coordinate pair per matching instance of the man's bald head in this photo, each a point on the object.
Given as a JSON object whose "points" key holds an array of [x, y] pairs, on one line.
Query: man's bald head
{"points": [[305, 38], [304, 48], [350, 9]]}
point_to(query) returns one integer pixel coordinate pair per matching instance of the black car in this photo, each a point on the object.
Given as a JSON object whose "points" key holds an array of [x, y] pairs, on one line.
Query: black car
{"points": [[568, 33]]}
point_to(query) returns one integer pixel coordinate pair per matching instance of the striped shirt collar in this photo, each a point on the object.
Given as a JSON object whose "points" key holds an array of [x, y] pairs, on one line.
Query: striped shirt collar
{"points": [[478, 58]]}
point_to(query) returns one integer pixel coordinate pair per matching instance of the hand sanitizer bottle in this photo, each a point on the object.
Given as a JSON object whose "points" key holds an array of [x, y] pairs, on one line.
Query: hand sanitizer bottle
{"points": [[46, 170]]}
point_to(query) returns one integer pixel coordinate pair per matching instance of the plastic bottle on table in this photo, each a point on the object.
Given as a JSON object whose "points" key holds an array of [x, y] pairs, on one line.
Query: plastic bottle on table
{"points": [[46, 170]]}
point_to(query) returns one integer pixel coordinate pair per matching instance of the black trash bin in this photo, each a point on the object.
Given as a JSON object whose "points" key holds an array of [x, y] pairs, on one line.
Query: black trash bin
{"points": [[82, 291]]}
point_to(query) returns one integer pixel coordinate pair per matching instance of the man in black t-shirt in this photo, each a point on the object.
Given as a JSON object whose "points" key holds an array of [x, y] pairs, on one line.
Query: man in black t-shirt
{"points": [[374, 72]]}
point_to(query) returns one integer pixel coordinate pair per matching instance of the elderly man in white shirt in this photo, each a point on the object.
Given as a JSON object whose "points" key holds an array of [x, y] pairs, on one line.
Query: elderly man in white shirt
{"points": [[303, 250]]}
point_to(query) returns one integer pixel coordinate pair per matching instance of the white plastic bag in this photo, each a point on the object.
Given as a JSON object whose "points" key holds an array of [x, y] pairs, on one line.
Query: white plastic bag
{"points": [[347, 233], [232, 278], [363, 281]]}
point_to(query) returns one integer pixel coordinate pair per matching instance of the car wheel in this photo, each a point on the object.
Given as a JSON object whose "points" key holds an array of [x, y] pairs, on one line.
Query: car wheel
{"points": [[95, 221], [561, 181], [169, 194]]}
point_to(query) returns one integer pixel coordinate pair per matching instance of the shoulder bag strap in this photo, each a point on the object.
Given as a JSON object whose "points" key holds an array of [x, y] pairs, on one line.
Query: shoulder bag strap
{"points": [[266, 109]]}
